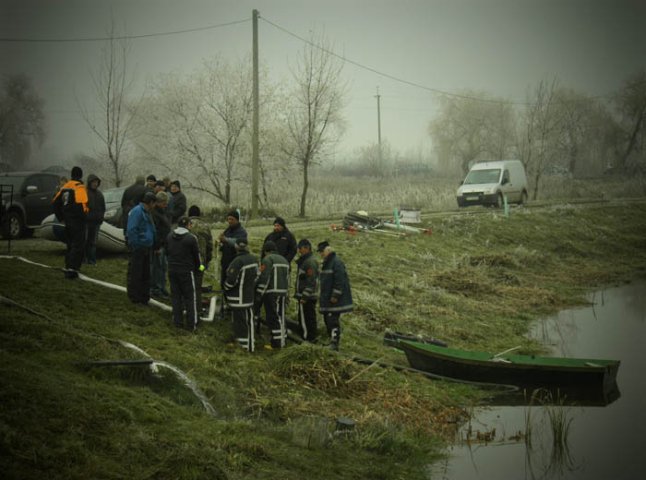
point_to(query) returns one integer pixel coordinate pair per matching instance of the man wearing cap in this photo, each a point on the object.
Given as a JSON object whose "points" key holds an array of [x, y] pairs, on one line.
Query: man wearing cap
{"points": [[183, 263], [239, 288], [284, 240], [71, 206], [140, 235], [177, 206], [271, 289], [307, 278], [336, 295], [227, 241]]}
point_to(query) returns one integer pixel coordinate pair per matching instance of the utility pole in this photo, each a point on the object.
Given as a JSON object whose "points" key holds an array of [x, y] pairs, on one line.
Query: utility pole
{"points": [[379, 124], [255, 143]]}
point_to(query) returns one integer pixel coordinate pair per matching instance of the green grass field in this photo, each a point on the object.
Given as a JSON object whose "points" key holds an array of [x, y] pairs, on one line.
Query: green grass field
{"points": [[477, 281]]}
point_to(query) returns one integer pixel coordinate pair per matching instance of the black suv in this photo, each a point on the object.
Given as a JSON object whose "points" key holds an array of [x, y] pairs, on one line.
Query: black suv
{"points": [[30, 202]]}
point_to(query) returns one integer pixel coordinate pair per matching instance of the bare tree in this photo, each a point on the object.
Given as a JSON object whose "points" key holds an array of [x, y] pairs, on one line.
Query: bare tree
{"points": [[470, 127], [538, 139], [21, 120], [198, 127], [314, 122], [631, 103], [112, 84]]}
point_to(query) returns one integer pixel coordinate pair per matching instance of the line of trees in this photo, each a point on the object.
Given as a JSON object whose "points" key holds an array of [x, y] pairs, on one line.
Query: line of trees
{"points": [[557, 130]]}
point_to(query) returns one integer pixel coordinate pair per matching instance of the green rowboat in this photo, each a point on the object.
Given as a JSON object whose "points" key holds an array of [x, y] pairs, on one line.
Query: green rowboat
{"points": [[511, 369]]}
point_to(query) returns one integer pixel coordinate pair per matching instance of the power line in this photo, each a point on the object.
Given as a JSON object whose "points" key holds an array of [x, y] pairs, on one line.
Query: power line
{"points": [[402, 80], [122, 37], [373, 70]]}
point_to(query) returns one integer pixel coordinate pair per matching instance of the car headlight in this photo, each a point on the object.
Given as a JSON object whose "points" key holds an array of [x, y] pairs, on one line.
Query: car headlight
{"points": [[111, 213]]}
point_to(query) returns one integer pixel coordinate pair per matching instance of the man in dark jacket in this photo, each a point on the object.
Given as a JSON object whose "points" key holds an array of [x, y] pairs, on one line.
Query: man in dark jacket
{"points": [[140, 239], [284, 240], [94, 218], [336, 295], [239, 288], [159, 259], [202, 231], [307, 278], [271, 289], [227, 241], [70, 206], [132, 196], [177, 204], [183, 262]]}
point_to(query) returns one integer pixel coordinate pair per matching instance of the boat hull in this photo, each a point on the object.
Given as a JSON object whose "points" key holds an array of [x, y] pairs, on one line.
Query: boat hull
{"points": [[519, 370], [110, 238]]}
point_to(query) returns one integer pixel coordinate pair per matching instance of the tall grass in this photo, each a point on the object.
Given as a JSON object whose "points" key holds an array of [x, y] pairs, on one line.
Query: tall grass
{"points": [[333, 194]]}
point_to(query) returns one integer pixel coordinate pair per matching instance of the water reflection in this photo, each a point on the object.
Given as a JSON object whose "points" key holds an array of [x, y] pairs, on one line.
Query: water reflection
{"points": [[568, 435]]}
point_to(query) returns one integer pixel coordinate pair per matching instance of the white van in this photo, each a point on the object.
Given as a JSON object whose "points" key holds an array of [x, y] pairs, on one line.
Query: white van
{"points": [[488, 182]]}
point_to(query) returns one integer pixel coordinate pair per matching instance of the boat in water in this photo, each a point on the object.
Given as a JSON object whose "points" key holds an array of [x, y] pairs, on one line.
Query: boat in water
{"points": [[508, 368]]}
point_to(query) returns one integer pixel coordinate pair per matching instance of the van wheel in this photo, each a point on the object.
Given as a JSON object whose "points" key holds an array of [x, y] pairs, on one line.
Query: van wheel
{"points": [[523, 198], [499, 201]]}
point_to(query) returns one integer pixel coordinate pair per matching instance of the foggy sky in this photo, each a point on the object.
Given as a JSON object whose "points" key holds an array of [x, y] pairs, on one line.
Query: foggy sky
{"points": [[501, 47]]}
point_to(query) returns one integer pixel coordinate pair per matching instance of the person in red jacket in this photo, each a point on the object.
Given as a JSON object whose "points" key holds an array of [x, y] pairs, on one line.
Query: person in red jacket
{"points": [[71, 206]]}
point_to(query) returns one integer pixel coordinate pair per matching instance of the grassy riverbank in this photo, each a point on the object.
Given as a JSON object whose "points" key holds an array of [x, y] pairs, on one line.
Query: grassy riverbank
{"points": [[477, 281]]}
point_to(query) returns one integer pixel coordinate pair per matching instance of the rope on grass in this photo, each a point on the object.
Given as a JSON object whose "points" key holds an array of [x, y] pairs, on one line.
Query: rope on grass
{"points": [[113, 286]]}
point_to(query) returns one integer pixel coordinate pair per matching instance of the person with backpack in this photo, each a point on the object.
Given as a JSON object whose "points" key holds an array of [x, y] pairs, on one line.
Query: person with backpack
{"points": [[71, 206]]}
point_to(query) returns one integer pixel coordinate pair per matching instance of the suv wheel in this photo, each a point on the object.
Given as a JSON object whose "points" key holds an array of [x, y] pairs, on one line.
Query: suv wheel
{"points": [[15, 226]]}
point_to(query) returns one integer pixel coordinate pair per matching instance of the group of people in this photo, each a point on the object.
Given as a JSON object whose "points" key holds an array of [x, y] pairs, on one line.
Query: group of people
{"points": [[166, 241], [250, 284], [82, 209]]}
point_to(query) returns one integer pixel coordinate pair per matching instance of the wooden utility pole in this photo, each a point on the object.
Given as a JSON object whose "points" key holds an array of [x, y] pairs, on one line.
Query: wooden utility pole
{"points": [[379, 123], [256, 118]]}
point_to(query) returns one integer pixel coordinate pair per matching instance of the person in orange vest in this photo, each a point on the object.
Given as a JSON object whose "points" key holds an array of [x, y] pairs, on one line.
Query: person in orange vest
{"points": [[70, 206]]}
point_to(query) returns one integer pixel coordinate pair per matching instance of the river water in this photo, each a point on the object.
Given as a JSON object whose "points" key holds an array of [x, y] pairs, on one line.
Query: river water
{"points": [[600, 442]]}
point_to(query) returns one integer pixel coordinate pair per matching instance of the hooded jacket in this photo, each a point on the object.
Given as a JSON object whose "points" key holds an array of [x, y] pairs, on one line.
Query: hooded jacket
{"points": [[334, 284], [95, 201], [182, 251]]}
